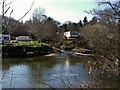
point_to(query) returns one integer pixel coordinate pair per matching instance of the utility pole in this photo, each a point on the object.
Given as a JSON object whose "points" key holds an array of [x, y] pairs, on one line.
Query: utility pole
{"points": [[3, 21], [4, 27]]}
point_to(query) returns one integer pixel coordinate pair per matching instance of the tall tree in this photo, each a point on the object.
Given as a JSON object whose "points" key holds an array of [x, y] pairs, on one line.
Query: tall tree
{"points": [[38, 14]]}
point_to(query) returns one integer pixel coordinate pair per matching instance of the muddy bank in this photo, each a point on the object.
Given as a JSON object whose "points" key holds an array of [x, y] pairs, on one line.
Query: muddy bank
{"points": [[69, 53]]}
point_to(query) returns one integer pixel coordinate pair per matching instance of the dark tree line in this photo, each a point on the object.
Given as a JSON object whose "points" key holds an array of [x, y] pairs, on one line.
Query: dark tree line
{"points": [[47, 29]]}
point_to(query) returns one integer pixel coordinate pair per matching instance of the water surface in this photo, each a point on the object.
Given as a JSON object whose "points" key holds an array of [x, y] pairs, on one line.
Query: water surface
{"points": [[60, 72]]}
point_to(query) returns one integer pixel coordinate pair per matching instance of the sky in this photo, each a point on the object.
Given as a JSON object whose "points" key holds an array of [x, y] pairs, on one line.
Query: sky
{"points": [[60, 10]]}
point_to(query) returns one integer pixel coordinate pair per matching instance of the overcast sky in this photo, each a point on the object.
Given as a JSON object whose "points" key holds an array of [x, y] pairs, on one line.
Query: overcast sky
{"points": [[61, 10]]}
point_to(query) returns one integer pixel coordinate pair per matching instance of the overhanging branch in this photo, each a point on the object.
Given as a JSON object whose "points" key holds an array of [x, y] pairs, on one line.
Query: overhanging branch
{"points": [[27, 11], [23, 16]]}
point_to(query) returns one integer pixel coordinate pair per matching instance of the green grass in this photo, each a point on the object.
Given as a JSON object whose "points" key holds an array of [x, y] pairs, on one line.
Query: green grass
{"points": [[29, 44]]}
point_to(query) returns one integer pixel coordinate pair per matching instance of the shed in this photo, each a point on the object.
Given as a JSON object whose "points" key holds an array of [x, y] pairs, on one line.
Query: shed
{"points": [[72, 34], [23, 38], [4, 38]]}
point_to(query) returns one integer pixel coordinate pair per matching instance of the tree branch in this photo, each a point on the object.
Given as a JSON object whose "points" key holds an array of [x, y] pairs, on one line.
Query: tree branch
{"points": [[23, 16], [117, 12], [9, 3], [6, 10], [27, 11]]}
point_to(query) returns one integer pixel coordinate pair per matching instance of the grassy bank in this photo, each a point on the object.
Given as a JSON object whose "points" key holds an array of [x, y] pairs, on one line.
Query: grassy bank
{"points": [[25, 49]]}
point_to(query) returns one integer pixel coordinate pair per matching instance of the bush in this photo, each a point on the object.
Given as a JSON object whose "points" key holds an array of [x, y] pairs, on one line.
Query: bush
{"points": [[103, 40]]}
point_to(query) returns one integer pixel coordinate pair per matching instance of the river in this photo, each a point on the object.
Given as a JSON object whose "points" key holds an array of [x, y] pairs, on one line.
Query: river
{"points": [[54, 72]]}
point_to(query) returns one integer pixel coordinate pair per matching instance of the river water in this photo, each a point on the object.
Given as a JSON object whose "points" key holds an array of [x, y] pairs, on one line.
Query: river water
{"points": [[54, 72]]}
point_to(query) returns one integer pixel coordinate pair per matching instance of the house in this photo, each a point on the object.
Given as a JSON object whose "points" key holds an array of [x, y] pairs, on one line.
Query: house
{"points": [[72, 34], [4, 38], [23, 38]]}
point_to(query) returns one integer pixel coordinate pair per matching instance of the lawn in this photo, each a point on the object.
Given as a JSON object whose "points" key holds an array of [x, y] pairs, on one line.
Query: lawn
{"points": [[29, 44]]}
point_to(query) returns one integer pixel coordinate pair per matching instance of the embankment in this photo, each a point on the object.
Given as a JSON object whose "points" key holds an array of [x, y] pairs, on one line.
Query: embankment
{"points": [[11, 51]]}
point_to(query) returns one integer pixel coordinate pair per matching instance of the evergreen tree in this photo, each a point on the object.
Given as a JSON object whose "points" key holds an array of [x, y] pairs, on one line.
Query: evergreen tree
{"points": [[94, 19], [85, 20], [80, 23]]}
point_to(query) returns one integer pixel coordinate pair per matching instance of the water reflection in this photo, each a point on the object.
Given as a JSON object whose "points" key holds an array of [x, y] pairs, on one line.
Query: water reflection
{"points": [[67, 63], [43, 72]]}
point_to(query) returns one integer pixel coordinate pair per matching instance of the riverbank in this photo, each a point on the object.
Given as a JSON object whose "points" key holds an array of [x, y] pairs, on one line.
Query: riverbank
{"points": [[33, 49], [25, 49], [69, 53], [98, 61]]}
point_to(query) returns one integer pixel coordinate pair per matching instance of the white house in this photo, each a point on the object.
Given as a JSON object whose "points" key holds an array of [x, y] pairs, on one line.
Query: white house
{"points": [[23, 38], [4, 38], [72, 34]]}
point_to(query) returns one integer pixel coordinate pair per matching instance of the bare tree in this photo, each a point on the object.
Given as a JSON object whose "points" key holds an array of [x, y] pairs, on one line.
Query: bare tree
{"points": [[4, 19], [103, 36], [38, 14], [5, 22]]}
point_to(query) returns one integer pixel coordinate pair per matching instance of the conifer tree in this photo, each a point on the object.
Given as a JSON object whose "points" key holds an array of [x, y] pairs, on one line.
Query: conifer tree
{"points": [[85, 20]]}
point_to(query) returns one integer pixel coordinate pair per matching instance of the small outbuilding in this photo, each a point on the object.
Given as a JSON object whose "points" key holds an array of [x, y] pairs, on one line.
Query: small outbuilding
{"points": [[23, 38], [72, 34], [4, 38]]}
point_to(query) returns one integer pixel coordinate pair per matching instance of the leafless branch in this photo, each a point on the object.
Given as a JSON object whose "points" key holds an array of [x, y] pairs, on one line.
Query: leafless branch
{"points": [[27, 11], [11, 79], [23, 16], [2, 77], [116, 11], [11, 12], [6, 10], [94, 12], [115, 8], [9, 3], [66, 85], [48, 85]]}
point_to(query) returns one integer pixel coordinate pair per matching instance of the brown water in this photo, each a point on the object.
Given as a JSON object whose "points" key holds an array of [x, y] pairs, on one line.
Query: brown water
{"points": [[60, 72]]}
